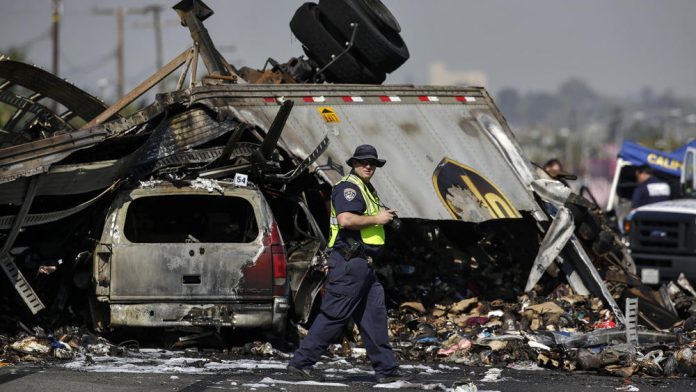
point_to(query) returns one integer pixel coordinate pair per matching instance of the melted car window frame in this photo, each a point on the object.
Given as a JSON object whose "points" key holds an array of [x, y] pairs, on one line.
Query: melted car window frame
{"points": [[178, 219]]}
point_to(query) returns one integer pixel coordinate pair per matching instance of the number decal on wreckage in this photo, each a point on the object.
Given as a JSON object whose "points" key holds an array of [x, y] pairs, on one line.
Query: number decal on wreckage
{"points": [[458, 186]]}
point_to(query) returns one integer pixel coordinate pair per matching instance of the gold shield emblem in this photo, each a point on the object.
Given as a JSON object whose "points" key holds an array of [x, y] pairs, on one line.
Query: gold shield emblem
{"points": [[468, 195]]}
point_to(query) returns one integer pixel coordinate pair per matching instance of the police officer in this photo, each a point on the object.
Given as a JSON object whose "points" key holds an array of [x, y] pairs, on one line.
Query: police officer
{"points": [[649, 189], [352, 289]]}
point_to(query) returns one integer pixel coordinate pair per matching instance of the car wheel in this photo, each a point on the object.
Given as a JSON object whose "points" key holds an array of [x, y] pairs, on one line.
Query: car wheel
{"points": [[320, 46], [376, 43]]}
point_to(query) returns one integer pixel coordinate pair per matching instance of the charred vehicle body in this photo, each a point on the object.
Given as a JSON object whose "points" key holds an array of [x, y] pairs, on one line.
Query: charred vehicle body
{"points": [[172, 256], [82, 187]]}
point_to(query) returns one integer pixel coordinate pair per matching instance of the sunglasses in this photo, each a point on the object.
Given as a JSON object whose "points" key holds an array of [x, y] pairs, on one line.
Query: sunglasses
{"points": [[366, 162]]}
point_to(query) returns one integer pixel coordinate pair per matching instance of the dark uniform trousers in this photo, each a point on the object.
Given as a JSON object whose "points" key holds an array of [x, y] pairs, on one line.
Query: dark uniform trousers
{"points": [[352, 291]]}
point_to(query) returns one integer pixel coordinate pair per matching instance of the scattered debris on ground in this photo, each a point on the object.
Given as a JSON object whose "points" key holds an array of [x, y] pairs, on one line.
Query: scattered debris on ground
{"points": [[560, 330]]}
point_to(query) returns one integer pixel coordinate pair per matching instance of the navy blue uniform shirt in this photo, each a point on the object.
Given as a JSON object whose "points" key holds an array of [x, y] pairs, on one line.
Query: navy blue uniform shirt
{"points": [[346, 197], [651, 191]]}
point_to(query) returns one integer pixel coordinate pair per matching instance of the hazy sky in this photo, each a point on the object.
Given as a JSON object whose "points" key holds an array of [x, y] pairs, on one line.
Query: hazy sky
{"points": [[618, 46]]}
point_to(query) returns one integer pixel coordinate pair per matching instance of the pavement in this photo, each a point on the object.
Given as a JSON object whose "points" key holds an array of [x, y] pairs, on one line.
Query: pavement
{"points": [[192, 375]]}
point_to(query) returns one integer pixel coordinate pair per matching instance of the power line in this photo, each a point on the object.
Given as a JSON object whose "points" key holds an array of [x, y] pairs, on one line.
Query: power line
{"points": [[26, 44], [94, 65]]}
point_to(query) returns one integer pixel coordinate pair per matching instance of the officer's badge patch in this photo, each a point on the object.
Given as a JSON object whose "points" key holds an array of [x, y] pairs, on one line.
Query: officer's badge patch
{"points": [[349, 194]]}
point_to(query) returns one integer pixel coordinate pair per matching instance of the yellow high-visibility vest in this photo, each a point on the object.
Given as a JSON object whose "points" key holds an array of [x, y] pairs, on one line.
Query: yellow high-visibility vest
{"points": [[372, 235]]}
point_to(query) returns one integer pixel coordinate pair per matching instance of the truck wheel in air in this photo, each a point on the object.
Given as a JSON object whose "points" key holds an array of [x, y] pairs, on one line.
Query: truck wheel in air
{"points": [[377, 44], [320, 46]]}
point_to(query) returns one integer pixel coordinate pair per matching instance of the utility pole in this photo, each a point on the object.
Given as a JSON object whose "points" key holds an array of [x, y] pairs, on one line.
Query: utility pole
{"points": [[156, 11], [55, 38], [157, 23], [120, 66], [120, 13], [55, 33], [120, 61]]}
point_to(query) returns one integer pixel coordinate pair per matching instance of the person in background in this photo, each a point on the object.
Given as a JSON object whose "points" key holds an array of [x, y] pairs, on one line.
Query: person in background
{"points": [[553, 167], [650, 189]]}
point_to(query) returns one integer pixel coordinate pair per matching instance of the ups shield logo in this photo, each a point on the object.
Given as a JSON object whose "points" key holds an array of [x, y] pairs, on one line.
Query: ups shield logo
{"points": [[468, 195]]}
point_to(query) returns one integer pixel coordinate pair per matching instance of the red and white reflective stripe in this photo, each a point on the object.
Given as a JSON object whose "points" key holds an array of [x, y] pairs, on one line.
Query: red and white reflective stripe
{"points": [[352, 99], [385, 98], [465, 99], [314, 99], [382, 98]]}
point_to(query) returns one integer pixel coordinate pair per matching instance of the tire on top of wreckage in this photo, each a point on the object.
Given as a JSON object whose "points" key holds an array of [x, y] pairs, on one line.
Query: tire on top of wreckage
{"points": [[377, 39], [320, 45]]}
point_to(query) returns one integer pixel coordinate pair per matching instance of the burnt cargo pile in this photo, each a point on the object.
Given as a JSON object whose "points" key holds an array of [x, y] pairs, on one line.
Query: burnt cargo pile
{"points": [[205, 212], [451, 312]]}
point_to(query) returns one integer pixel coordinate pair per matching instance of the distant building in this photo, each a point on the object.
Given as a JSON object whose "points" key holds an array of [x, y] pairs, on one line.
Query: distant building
{"points": [[440, 75]]}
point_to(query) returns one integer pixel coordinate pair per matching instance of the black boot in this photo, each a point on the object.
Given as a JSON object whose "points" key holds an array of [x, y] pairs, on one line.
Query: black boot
{"points": [[302, 374], [395, 375]]}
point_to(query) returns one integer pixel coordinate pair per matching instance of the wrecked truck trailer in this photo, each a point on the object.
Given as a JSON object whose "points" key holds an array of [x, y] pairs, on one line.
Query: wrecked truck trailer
{"points": [[454, 159]]}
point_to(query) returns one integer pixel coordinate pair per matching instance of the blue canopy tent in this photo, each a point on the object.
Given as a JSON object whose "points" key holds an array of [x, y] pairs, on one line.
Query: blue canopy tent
{"points": [[661, 161]]}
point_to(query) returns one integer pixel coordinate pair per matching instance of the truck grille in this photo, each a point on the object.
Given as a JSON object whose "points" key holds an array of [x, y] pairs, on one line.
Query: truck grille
{"points": [[655, 234], [661, 233]]}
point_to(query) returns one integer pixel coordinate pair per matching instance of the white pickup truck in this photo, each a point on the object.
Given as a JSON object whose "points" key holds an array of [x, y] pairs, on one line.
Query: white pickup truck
{"points": [[662, 236]]}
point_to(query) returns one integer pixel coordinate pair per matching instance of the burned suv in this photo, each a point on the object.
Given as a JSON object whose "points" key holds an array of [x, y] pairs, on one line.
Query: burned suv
{"points": [[181, 255]]}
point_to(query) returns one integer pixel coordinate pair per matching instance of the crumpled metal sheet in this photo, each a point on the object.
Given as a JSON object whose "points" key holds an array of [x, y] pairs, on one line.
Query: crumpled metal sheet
{"points": [[557, 235], [73, 98], [37, 156]]}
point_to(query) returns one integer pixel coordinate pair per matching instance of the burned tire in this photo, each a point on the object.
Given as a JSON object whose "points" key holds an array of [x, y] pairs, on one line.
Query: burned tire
{"points": [[377, 43], [320, 46]]}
